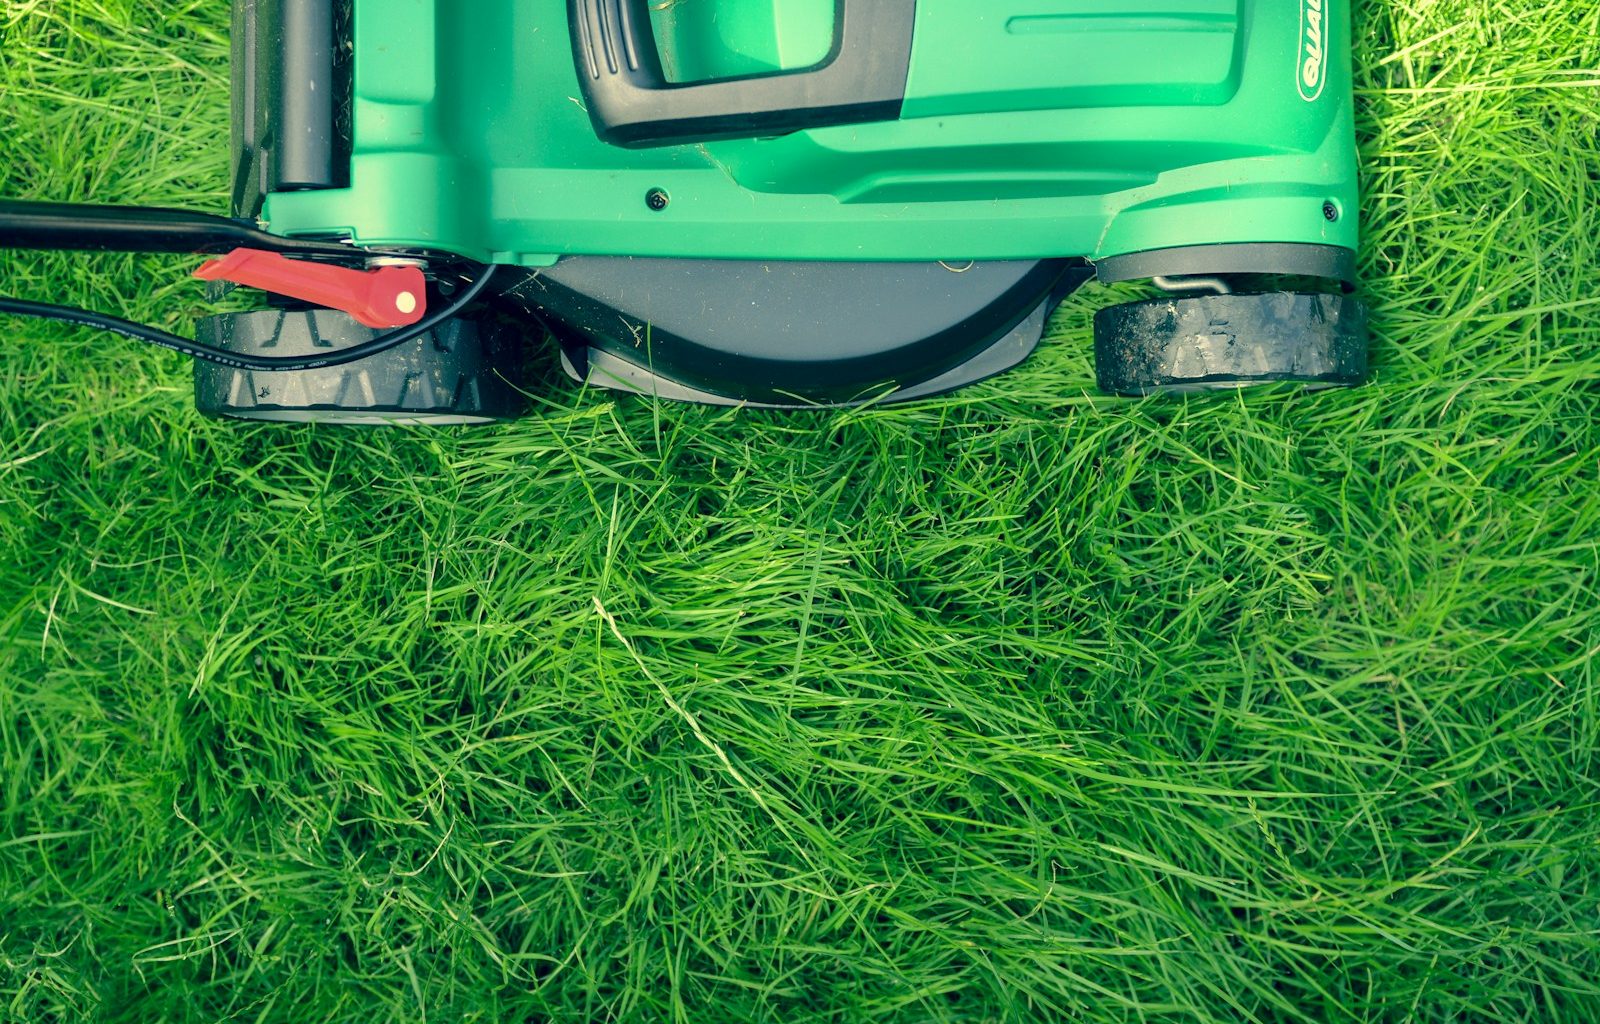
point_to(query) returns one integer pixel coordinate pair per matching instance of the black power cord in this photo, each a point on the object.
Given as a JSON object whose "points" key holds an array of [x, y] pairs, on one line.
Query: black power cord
{"points": [[222, 357]]}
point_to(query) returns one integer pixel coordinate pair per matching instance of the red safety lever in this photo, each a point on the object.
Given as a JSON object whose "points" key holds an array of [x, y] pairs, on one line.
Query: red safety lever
{"points": [[385, 298]]}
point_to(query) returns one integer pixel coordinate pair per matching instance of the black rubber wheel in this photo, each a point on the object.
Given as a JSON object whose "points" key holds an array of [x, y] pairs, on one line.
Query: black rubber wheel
{"points": [[1228, 341], [463, 372]]}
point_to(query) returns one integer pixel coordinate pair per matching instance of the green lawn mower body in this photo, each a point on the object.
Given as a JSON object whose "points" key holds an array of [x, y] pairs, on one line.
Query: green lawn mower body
{"points": [[1021, 130], [802, 202]]}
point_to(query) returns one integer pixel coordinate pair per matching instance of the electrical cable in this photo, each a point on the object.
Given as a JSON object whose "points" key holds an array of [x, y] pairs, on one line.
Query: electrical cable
{"points": [[222, 357]]}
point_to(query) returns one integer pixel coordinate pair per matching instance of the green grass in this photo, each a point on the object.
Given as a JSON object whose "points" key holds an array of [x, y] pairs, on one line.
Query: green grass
{"points": [[1020, 706]]}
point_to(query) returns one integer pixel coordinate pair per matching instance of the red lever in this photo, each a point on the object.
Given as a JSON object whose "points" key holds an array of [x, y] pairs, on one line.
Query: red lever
{"points": [[384, 298]]}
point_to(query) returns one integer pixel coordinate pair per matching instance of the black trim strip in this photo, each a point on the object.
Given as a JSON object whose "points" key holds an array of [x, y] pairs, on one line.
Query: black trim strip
{"points": [[1332, 262]]}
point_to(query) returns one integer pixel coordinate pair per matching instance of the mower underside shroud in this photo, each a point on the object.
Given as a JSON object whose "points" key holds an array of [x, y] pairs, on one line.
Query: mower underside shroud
{"points": [[834, 333]]}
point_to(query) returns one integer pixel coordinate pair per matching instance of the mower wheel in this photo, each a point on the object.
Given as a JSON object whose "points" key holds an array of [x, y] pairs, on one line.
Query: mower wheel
{"points": [[461, 373], [1210, 342]]}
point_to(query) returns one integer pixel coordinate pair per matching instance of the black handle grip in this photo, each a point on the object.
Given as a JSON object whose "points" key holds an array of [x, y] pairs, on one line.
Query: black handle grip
{"points": [[633, 104]]}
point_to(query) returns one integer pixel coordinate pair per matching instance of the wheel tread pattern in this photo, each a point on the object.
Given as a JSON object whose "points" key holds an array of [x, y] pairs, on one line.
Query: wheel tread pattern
{"points": [[1218, 341], [464, 370]]}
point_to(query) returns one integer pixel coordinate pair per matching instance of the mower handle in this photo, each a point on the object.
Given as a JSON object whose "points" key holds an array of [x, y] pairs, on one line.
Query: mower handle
{"points": [[633, 104], [62, 227]]}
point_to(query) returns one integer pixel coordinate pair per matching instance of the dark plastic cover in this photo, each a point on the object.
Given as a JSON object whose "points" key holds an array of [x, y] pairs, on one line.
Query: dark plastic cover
{"points": [[794, 333], [291, 94]]}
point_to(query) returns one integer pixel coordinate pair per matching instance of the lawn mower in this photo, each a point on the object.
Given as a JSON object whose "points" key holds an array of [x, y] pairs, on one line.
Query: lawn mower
{"points": [[776, 203]]}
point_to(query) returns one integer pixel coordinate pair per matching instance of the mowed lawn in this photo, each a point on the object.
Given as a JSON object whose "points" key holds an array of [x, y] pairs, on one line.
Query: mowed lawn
{"points": [[1024, 705]]}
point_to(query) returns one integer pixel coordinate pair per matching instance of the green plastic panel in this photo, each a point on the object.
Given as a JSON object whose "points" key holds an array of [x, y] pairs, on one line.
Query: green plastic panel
{"points": [[1033, 129], [708, 39], [1050, 54]]}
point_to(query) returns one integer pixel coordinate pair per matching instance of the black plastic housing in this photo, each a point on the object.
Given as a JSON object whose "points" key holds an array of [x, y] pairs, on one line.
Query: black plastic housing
{"points": [[291, 98], [791, 333]]}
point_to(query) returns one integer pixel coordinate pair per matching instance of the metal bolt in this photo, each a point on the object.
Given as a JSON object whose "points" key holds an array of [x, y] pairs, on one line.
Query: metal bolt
{"points": [[379, 262], [657, 199], [1330, 211]]}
